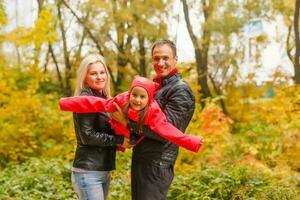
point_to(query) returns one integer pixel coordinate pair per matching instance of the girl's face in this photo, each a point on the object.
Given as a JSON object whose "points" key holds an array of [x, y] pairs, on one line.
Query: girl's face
{"points": [[138, 98], [96, 76]]}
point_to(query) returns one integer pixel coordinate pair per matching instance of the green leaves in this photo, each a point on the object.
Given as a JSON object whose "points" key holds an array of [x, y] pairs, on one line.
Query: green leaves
{"points": [[233, 182], [37, 179]]}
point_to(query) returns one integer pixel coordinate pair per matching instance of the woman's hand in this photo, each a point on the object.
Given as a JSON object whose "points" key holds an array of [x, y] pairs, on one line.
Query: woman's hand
{"points": [[126, 143], [119, 116]]}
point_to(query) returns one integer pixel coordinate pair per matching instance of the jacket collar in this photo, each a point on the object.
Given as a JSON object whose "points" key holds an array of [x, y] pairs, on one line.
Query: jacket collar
{"points": [[169, 79], [165, 80], [94, 92]]}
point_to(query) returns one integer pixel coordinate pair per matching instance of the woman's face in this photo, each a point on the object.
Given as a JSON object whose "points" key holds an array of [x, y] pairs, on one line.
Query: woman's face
{"points": [[138, 98], [96, 77]]}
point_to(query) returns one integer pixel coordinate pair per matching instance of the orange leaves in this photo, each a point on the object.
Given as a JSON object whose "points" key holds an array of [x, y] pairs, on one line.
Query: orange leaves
{"points": [[215, 128], [215, 121]]}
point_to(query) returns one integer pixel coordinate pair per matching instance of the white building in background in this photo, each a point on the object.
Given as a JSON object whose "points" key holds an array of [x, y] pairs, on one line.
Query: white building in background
{"points": [[273, 55]]}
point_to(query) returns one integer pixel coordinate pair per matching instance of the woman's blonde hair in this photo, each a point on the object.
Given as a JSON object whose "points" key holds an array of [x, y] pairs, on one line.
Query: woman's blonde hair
{"points": [[83, 70]]}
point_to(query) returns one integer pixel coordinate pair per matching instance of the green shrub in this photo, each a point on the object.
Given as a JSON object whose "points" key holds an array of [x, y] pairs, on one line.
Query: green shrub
{"points": [[232, 183], [37, 179]]}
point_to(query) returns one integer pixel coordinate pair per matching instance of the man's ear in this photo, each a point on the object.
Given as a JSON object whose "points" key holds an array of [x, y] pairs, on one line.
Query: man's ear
{"points": [[176, 58]]}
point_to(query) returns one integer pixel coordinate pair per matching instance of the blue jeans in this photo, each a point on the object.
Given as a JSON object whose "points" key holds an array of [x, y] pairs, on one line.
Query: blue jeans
{"points": [[91, 185]]}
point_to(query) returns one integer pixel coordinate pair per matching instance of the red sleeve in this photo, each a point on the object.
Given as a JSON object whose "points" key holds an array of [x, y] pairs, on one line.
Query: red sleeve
{"points": [[119, 128], [159, 124], [86, 104]]}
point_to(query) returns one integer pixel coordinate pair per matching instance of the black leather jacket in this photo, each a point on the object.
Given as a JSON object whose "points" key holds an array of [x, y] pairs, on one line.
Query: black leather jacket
{"points": [[96, 142], [178, 103]]}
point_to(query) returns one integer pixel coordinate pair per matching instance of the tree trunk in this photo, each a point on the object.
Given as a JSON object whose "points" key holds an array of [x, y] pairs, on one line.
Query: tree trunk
{"points": [[46, 61], [142, 59], [297, 40], [201, 56], [93, 38], [68, 67], [219, 93]]}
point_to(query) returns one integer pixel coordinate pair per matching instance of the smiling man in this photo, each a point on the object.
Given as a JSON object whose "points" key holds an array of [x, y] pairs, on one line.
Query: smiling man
{"points": [[153, 159]]}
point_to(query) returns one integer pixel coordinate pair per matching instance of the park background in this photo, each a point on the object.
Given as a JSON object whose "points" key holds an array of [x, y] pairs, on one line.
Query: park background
{"points": [[241, 59]]}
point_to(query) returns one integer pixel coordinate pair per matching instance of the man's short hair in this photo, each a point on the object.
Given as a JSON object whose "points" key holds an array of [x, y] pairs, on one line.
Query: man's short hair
{"points": [[163, 42]]}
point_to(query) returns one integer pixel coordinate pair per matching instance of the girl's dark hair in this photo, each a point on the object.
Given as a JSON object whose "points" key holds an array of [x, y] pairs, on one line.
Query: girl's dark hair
{"points": [[142, 116]]}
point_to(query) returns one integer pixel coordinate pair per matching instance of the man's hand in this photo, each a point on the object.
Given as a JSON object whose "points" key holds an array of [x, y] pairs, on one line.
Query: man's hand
{"points": [[119, 116]]}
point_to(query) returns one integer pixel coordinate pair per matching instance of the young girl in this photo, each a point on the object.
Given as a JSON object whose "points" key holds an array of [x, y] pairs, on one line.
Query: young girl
{"points": [[138, 105]]}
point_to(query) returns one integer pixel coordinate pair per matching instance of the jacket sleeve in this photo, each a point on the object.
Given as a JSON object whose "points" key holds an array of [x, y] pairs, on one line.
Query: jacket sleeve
{"points": [[85, 123], [159, 124], [86, 104], [119, 128], [180, 106]]}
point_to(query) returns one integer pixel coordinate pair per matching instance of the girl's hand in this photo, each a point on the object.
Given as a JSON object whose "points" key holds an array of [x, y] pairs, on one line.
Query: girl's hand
{"points": [[118, 115]]}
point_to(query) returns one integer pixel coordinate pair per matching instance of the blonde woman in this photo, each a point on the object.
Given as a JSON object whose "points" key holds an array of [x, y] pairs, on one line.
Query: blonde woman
{"points": [[96, 141]]}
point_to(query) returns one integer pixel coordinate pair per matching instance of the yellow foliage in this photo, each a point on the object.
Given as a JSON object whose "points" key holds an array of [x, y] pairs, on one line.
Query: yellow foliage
{"points": [[3, 18], [43, 31], [30, 124], [280, 112], [19, 36]]}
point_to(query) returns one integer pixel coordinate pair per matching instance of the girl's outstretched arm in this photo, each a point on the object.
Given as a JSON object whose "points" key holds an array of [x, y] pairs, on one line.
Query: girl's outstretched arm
{"points": [[160, 125], [86, 104], [89, 104]]}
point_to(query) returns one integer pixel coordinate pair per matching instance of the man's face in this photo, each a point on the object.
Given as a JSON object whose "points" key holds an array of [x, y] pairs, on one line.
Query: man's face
{"points": [[163, 60]]}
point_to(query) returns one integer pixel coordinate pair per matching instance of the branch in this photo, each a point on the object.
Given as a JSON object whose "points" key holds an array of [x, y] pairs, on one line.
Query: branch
{"points": [[188, 24], [91, 36], [47, 60], [63, 34], [56, 66], [288, 48], [84, 25]]}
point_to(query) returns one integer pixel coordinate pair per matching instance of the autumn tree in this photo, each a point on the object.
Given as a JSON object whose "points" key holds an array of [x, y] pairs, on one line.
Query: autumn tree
{"points": [[213, 45], [65, 52], [122, 31], [201, 47]]}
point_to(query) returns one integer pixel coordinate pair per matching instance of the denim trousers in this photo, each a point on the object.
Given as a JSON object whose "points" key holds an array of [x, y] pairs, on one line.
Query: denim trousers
{"points": [[91, 185]]}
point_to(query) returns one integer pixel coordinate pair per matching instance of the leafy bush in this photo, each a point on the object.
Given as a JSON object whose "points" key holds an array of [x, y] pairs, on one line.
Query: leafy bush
{"points": [[50, 179], [37, 179], [233, 183], [31, 123]]}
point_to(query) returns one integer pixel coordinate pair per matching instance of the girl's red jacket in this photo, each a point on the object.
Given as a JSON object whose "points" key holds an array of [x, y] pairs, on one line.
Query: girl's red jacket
{"points": [[154, 118]]}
